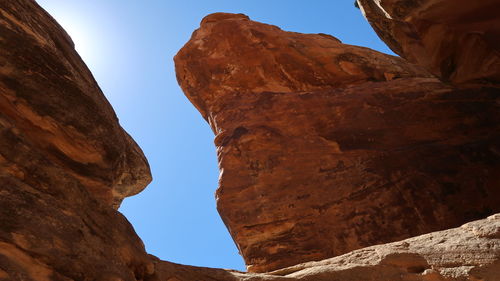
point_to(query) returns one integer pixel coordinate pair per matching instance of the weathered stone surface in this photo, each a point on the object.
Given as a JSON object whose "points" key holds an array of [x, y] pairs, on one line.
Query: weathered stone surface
{"points": [[64, 161], [457, 40], [231, 53], [470, 252], [325, 148], [53, 230], [51, 104]]}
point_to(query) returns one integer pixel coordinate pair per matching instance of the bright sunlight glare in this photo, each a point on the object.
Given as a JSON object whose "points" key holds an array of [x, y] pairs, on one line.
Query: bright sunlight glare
{"points": [[81, 36], [95, 36]]}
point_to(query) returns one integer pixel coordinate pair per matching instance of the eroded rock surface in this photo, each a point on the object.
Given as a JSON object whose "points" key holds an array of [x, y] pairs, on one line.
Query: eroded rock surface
{"points": [[65, 162], [51, 104], [457, 40], [470, 252], [231, 54], [325, 148]]}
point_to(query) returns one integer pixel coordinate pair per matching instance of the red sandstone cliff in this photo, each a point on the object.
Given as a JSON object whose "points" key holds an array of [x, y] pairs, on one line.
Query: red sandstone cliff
{"points": [[65, 162], [323, 148], [50, 96], [459, 40]]}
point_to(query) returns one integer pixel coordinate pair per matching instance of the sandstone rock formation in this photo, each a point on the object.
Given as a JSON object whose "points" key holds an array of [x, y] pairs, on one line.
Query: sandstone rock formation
{"points": [[470, 252], [457, 40], [407, 152], [230, 53], [50, 103], [325, 148], [64, 161]]}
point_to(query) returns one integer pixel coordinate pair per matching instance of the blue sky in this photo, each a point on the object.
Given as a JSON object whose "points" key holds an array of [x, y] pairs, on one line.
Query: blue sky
{"points": [[129, 45]]}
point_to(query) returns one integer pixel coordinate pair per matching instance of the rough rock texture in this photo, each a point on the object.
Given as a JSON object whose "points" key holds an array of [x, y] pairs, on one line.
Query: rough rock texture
{"points": [[325, 148], [470, 252], [64, 161], [232, 54], [457, 40], [50, 104]]}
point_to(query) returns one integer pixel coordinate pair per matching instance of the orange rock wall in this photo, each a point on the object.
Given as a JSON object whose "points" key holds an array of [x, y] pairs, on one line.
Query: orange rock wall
{"points": [[325, 148], [459, 40]]}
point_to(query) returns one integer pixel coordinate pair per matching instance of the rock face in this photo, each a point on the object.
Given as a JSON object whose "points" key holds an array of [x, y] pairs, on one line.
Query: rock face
{"points": [[230, 53], [64, 161], [470, 252], [325, 148], [51, 104], [459, 40]]}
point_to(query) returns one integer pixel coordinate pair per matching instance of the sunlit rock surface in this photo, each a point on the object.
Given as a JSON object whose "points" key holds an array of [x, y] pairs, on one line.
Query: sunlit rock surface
{"points": [[470, 252], [230, 54], [457, 40], [65, 163], [325, 148], [51, 104]]}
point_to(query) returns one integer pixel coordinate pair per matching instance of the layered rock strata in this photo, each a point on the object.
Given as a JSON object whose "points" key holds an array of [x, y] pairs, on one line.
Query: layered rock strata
{"points": [[51, 104], [325, 147], [65, 162], [459, 41], [470, 252]]}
